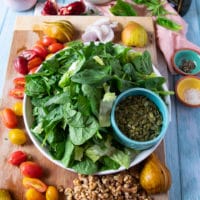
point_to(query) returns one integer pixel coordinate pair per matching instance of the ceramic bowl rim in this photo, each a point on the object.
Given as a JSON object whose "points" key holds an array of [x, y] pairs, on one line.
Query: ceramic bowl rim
{"points": [[142, 91], [176, 68], [177, 93]]}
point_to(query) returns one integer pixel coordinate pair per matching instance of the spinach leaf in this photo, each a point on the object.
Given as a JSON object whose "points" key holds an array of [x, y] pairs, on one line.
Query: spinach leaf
{"points": [[92, 76], [81, 131], [67, 157], [94, 95], [85, 167]]}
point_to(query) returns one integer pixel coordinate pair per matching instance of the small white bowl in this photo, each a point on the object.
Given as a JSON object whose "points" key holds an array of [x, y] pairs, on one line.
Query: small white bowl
{"points": [[20, 5]]}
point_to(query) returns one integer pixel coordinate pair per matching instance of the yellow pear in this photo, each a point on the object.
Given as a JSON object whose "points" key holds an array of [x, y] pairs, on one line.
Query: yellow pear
{"points": [[134, 34], [155, 177]]}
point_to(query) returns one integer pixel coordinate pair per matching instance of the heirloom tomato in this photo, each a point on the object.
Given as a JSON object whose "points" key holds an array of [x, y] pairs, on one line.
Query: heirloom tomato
{"points": [[18, 108], [46, 41], [40, 50], [33, 194], [9, 118], [17, 136], [31, 169], [19, 81], [53, 48], [17, 157], [35, 62], [17, 93], [52, 193], [34, 183]]}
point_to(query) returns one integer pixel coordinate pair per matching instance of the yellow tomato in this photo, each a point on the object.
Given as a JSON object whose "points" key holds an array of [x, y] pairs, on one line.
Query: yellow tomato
{"points": [[52, 193], [18, 108], [32, 194], [17, 136]]}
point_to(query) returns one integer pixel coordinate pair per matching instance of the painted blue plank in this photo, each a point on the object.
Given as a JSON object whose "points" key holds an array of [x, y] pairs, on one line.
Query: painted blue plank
{"points": [[192, 17], [188, 124]]}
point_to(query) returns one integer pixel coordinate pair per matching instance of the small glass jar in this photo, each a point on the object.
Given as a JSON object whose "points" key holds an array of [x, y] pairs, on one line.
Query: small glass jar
{"points": [[20, 5]]}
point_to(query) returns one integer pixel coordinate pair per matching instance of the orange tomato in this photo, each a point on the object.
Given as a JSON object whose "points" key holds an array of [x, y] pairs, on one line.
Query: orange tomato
{"points": [[17, 93], [34, 183], [52, 193], [9, 118], [53, 48], [33, 194], [35, 62]]}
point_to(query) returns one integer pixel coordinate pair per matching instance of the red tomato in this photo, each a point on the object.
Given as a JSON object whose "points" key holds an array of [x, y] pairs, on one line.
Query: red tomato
{"points": [[31, 169], [17, 157], [55, 47], [17, 92], [34, 183], [40, 50], [46, 41], [35, 62], [19, 82], [9, 118], [33, 70]]}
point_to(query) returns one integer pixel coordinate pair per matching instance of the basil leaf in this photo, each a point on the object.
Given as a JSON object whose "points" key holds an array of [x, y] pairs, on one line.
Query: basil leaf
{"points": [[169, 24], [122, 8]]}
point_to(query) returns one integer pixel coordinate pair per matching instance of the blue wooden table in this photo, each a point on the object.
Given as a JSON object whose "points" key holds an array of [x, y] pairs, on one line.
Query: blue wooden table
{"points": [[182, 141]]}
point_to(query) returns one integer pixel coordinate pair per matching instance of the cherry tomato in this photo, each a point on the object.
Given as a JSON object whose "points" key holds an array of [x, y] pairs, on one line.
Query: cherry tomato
{"points": [[49, 56], [19, 82], [33, 194], [18, 108], [40, 50], [9, 118], [53, 48], [52, 193], [17, 157], [46, 41], [34, 183], [17, 136], [21, 65], [33, 70], [31, 169], [35, 62], [17, 93]]}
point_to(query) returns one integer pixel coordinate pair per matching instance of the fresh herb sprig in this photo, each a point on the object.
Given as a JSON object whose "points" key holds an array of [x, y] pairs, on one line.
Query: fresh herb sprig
{"points": [[156, 7]]}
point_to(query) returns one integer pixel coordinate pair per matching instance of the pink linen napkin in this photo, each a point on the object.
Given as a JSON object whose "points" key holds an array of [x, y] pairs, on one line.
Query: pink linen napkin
{"points": [[168, 41]]}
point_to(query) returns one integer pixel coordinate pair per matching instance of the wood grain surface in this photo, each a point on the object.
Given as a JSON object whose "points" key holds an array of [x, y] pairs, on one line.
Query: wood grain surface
{"points": [[27, 32]]}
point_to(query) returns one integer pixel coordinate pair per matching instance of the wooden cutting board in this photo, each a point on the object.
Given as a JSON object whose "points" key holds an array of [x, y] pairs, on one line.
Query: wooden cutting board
{"points": [[26, 32]]}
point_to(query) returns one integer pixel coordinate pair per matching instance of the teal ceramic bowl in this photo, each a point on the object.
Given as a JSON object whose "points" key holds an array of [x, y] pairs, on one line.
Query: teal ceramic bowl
{"points": [[183, 56], [125, 140]]}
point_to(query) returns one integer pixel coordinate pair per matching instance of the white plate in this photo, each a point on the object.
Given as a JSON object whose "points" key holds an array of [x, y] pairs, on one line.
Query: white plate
{"points": [[28, 120]]}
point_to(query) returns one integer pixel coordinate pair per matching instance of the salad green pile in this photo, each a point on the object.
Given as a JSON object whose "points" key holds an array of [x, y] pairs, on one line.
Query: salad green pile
{"points": [[72, 95]]}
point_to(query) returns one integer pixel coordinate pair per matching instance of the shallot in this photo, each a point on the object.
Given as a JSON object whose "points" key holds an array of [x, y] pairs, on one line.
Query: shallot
{"points": [[102, 30]]}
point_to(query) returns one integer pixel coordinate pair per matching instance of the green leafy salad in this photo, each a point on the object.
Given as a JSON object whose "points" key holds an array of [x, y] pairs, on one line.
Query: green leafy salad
{"points": [[72, 96]]}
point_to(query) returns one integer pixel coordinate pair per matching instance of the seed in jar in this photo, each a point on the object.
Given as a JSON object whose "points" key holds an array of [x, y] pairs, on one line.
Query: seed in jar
{"points": [[138, 118]]}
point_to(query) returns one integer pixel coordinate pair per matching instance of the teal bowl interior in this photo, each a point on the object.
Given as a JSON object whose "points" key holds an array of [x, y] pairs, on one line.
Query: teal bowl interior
{"points": [[140, 145], [186, 54]]}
